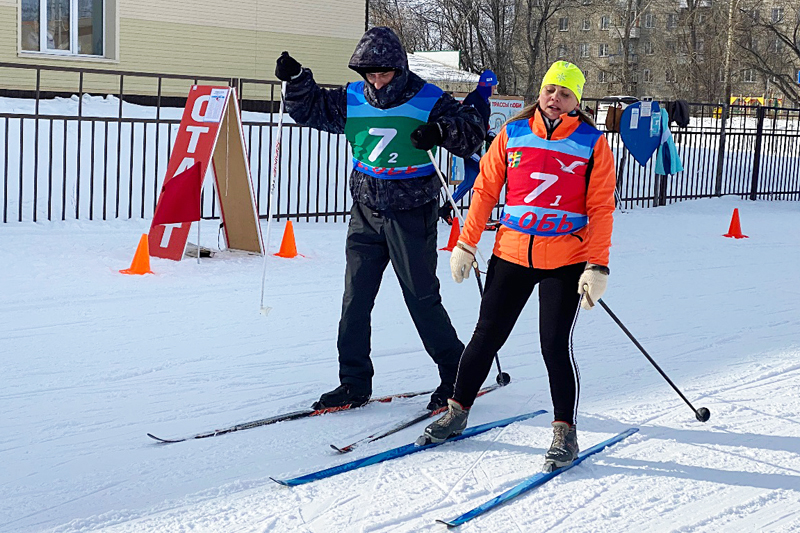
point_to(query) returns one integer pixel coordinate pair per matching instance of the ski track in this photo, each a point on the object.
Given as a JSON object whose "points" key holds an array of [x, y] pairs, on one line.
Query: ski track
{"points": [[97, 359]]}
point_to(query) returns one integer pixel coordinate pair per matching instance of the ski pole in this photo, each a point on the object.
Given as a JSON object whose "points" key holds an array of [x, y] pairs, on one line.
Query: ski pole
{"points": [[702, 414], [503, 378], [276, 159]]}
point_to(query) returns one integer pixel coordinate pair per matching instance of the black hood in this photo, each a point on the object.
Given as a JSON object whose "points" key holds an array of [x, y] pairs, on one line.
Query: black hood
{"points": [[379, 49]]}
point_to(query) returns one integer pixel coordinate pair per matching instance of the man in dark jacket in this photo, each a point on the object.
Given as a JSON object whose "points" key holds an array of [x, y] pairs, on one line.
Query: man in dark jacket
{"points": [[391, 120]]}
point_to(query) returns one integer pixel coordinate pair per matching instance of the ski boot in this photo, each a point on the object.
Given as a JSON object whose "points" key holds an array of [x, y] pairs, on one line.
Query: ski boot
{"points": [[564, 449], [439, 397], [450, 425], [344, 395]]}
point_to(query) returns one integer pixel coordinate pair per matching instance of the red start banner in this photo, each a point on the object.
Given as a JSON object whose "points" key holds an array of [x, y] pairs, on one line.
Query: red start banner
{"points": [[211, 134]]}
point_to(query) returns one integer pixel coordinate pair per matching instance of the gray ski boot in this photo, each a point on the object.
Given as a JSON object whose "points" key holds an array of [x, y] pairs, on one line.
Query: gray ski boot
{"points": [[451, 424], [564, 449]]}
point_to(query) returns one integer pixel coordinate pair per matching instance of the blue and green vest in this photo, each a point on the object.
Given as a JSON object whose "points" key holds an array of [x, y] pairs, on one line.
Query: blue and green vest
{"points": [[381, 138], [546, 180]]}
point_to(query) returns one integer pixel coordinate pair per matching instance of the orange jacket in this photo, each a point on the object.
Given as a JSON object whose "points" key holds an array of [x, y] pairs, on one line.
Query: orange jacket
{"points": [[590, 243]]}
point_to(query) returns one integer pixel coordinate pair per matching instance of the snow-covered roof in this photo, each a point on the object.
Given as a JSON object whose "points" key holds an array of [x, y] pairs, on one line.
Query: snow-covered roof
{"points": [[439, 73]]}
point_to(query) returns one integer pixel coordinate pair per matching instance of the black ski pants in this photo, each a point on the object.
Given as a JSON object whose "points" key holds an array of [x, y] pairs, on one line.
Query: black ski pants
{"points": [[508, 287], [407, 239]]}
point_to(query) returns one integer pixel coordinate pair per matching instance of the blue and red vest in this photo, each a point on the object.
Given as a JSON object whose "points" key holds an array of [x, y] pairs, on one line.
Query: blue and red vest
{"points": [[381, 138], [546, 180]]}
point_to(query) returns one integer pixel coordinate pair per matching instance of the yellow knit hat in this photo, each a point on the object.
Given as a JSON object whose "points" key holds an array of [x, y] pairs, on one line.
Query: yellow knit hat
{"points": [[567, 75]]}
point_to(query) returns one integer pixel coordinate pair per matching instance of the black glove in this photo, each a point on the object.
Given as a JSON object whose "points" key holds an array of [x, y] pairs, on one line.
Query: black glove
{"points": [[427, 136], [446, 213], [286, 67], [490, 139]]}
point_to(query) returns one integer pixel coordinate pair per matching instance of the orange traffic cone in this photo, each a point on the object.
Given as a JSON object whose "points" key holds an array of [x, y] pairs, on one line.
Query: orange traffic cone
{"points": [[288, 247], [735, 230], [455, 232], [141, 260]]}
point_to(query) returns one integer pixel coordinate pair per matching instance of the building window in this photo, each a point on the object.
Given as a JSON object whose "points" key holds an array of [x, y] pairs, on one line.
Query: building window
{"points": [[649, 20], [701, 19], [587, 24], [602, 50], [701, 46], [72, 27], [605, 22], [672, 20], [585, 49], [563, 24], [562, 51], [648, 48], [669, 76], [777, 15], [647, 76], [749, 75], [603, 76], [672, 47]]}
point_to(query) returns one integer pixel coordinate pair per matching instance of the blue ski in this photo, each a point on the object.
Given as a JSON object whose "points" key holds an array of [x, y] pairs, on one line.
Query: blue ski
{"points": [[534, 481], [394, 453]]}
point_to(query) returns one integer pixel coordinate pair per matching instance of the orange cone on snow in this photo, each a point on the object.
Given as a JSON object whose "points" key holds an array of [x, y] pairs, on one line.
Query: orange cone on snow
{"points": [[455, 232], [288, 246], [735, 230], [141, 260]]}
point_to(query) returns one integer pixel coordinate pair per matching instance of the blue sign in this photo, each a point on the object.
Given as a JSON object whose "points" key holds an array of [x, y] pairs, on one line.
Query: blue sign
{"points": [[640, 129]]}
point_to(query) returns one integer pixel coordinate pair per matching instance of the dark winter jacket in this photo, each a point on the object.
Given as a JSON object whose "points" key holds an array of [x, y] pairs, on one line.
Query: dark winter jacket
{"points": [[481, 105], [678, 112], [326, 110]]}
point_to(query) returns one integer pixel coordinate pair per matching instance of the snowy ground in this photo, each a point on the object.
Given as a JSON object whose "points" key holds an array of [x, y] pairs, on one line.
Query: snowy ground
{"points": [[92, 360]]}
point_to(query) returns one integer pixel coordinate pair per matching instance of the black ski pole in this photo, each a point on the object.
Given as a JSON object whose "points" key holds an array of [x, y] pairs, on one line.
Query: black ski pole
{"points": [[503, 378], [702, 414]]}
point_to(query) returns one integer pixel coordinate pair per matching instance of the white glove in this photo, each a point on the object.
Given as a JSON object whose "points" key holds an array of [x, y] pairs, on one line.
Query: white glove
{"points": [[593, 283], [461, 261]]}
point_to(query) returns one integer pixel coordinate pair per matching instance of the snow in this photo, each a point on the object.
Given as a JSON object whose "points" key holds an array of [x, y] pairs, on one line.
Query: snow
{"points": [[432, 70], [93, 360]]}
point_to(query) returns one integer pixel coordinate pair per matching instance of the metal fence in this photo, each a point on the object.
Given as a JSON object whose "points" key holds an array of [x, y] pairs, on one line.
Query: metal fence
{"points": [[69, 154], [750, 152]]}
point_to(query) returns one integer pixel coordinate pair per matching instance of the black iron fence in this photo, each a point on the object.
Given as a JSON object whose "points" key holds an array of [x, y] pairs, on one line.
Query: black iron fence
{"points": [[750, 152], [70, 154]]}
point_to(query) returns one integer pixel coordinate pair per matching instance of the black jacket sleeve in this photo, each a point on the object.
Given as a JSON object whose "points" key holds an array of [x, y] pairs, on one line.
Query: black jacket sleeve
{"points": [[310, 105], [462, 126], [481, 105]]}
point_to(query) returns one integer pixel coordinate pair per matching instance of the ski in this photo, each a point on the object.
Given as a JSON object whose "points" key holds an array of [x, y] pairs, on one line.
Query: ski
{"points": [[295, 415], [403, 425], [402, 451], [534, 481]]}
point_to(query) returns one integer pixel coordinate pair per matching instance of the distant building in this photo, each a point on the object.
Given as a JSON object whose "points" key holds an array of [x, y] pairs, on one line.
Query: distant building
{"points": [[665, 49]]}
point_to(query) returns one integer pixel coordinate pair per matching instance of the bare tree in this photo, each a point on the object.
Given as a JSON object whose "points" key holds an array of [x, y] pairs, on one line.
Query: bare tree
{"points": [[773, 46], [535, 39], [482, 30]]}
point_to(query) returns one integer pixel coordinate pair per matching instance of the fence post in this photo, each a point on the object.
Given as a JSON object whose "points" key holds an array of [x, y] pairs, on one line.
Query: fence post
{"points": [[661, 190], [760, 113], [721, 149]]}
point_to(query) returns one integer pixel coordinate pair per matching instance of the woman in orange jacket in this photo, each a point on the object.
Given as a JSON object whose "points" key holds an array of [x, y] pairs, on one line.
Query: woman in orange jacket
{"points": [[558, 171]]}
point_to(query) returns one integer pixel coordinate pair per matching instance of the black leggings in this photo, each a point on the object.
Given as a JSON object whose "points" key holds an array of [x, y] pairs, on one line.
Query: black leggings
{"points": [[508, 287]]}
